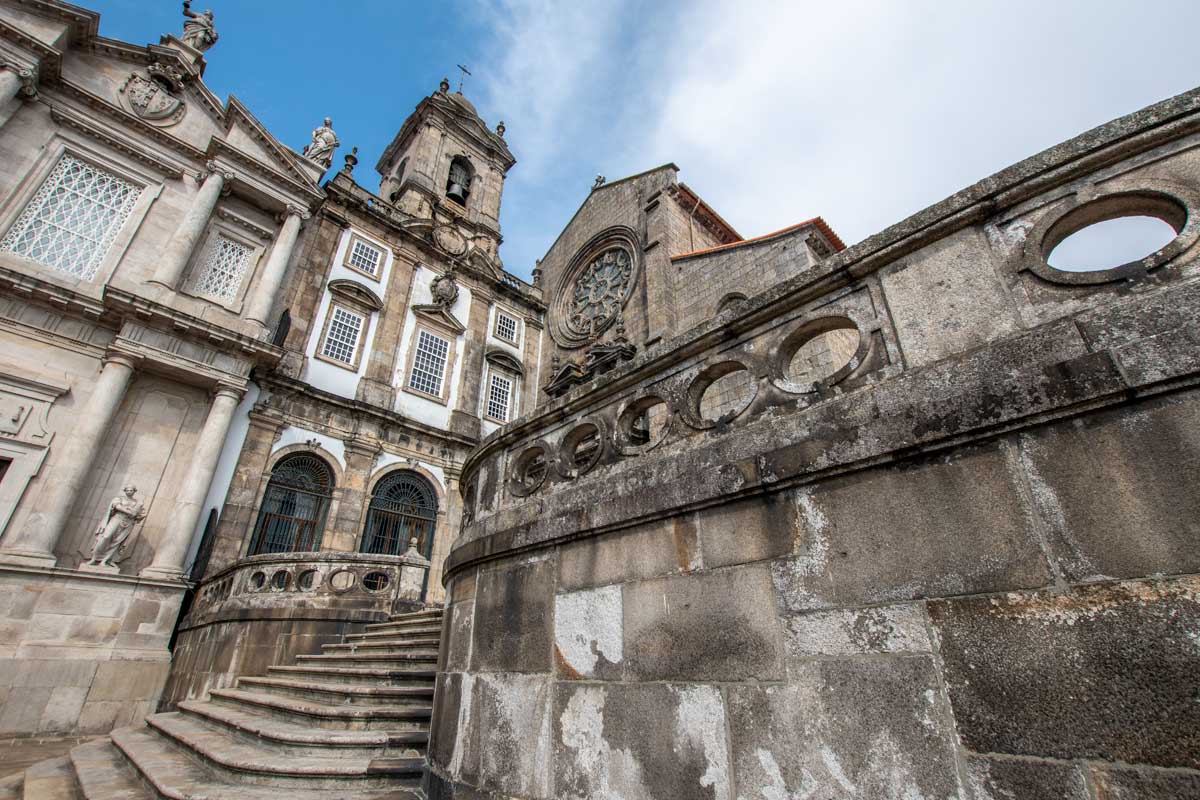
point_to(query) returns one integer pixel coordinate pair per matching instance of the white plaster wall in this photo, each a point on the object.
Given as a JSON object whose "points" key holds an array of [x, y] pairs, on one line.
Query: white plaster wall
{"points": [[412, 405], [495, 341], [226, 464], [294, 435], [321, 374]]}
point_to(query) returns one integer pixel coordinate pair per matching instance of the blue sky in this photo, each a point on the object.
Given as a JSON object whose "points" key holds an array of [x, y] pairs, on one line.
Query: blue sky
{"points": [[775, 111]]}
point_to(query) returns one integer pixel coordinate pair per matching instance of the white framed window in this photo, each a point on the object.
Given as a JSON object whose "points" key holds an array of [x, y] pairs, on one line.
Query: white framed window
{"points": [[221, 270], [507, 327], [343, 328], [499, 397], [364, 257], [429, 363], [73, 218]]}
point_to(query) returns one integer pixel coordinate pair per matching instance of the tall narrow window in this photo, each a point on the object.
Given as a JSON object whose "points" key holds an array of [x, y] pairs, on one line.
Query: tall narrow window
{"points": [[220, 272], [403, 507], [429, 364], [506, 327], [363, 257], [341, 336], [74, 217], [499, 397], [292, 517]]}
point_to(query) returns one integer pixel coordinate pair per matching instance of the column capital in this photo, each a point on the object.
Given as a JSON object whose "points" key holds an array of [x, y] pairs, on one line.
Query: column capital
{"points": [[294, 210], [213, 168], [119, 357], [227, 389]]}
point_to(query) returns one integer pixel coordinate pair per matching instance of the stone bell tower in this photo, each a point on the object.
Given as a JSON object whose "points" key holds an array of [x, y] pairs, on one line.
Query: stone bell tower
{"points": [[446, 165]]}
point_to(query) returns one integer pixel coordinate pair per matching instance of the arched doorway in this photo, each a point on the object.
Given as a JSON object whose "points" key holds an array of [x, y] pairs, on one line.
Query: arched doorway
{"points": [[292, 516], [403, 506]]}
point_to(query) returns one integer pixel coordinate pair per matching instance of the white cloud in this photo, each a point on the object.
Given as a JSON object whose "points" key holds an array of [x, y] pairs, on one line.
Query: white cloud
{"points": [[777, 111]]}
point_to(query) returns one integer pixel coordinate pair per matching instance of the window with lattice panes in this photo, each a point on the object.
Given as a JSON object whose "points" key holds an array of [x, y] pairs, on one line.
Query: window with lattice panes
{"points": [[499, 398], [221, 270], [429, 363], [506, 327], [70, 223], [341, 335], [364, 257]]}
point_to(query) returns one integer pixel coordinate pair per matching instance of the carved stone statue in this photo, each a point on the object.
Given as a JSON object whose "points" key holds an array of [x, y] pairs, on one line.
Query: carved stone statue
{"points": [[323, 143], [198, 30], [123, 513]]}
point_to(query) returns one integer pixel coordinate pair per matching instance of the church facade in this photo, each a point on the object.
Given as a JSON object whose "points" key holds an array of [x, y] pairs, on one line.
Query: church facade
{"points": [[293, 472]]}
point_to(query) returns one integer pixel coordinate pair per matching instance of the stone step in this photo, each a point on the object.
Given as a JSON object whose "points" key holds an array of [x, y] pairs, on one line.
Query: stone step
{"points": [[432, 613], [338, 693], [173, 775], [384, 643], [53, 779], [372, 659], [322, 715], [399, 628], [297, 740], [237, 762], [103, 773], [10, 787], [400, 676]]}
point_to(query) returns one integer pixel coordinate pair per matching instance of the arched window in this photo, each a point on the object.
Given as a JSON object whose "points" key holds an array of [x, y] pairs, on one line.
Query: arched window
{"points": [[403, 506], [292, 517], [458, 185]]}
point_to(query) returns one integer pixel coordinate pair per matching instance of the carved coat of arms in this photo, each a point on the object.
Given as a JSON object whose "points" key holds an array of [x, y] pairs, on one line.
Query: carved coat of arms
{"points": [[152, 98]]}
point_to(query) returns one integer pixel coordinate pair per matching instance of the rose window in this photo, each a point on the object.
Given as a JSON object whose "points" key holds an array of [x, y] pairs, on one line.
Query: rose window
{"points": [[599, 292]]}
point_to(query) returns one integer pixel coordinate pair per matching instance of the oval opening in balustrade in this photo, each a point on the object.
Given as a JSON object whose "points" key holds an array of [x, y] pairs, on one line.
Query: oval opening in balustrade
{"points": [[819, 350], [281, 580], [307, 579], [528, 470], [375, 581], [258, 580], [723, 391], [581, 448], [1111, 243], [342, 581], [644, 422]]}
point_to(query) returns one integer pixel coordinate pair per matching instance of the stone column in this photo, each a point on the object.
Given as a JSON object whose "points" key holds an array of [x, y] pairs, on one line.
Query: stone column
{"points": [[16, 82], [465, 416], [36, 542], [259, 308], [183, 242], [173, 547], [237, 520]]}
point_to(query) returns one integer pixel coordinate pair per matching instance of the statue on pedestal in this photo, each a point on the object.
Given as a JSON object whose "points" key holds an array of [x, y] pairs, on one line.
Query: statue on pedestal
{"points": [[123, 513], [321, 148], [199, 30]]}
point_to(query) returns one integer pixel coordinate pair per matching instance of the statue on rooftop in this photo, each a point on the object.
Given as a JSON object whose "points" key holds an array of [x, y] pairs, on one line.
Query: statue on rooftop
{"points": [[321, 148], [199, 30], [123, 513]]}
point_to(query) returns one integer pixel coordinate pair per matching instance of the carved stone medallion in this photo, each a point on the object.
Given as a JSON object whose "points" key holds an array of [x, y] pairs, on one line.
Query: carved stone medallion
{"points": [[449, 239], [152, 99], [445, 290]]}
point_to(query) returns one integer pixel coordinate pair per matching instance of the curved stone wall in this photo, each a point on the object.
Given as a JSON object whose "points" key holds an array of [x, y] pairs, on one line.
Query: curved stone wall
{"points": [[960, 565]]}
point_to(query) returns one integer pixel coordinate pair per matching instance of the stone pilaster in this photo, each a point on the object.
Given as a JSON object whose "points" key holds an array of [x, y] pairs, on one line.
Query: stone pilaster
{"points": [[173, 548], [35, 544], [376, 386], [345, 529], [464, 418], [183, 242], [237, 517], [259, 308]]}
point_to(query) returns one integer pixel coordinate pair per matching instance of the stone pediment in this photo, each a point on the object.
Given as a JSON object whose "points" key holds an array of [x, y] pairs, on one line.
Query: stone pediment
{"points": [[504, 360], [439, 315], [357, 293]]}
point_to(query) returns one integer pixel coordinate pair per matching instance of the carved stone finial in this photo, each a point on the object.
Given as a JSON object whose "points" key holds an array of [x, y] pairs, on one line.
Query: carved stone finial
{"points": [[600, 181], [198, 29], [537, 272], [444, 86], [500, 129], [351, 160], [324, 142]]}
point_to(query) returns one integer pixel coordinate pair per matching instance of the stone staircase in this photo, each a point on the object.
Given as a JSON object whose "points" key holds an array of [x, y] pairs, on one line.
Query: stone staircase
{"points": [[349, 724]]}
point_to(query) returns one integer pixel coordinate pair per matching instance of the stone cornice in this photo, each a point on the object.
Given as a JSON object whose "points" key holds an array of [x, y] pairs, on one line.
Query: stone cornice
{"points": [[69, 117], [220, 147]]}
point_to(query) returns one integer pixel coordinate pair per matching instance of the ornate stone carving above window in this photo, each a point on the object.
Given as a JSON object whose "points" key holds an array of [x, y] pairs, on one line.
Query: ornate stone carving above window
{"points": [[595, 288], [153, 96]]}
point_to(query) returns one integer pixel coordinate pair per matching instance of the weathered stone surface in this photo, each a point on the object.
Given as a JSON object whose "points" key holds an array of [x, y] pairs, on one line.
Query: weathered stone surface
{"points": [[952, 524], [1114, 783], [881, 629], [517, 745], [1101, 671], [514, 607], [456, 644], [710, 624], [748, 530], [845, 729], [1116, 489], [1024, 779], [589, 637], [646, 741], [644, 551]]}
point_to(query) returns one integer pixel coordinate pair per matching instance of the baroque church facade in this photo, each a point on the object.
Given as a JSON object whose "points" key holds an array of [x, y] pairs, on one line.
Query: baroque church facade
{"points": [[301, 491]]}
